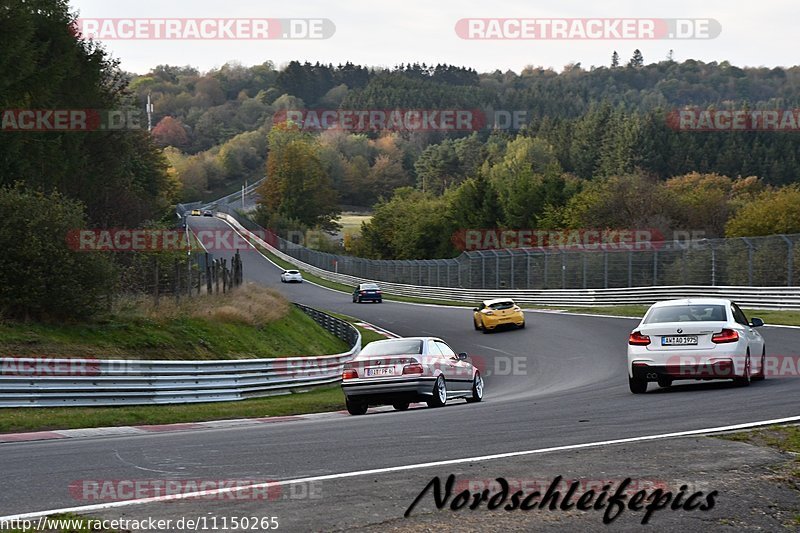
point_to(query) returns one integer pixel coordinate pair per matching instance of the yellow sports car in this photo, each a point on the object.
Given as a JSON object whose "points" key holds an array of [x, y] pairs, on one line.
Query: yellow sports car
{"points": [[196, 213], [499, 312]]}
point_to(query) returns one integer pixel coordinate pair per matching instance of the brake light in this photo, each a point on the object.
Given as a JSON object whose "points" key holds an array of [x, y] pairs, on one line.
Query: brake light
{"points": [[350, 373], [726, 335], [363, 292], [413, 368], [637, 339]]}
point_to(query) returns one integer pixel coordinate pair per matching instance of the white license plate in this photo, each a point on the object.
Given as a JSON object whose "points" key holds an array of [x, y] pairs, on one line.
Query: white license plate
{"points": [[388, 371], [683, 340]]}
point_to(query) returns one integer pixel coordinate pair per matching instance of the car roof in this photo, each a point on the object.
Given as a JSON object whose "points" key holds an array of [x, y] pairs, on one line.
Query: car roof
{"points": [[497, 300], [693, 301], [408, 339]]}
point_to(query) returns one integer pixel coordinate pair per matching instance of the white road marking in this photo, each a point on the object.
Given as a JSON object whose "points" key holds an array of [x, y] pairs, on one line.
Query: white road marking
{"points": [[387, 470]]}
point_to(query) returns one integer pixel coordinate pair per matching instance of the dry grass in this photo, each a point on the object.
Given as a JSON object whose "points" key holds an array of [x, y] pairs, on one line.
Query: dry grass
{"points": [[251, 304]]}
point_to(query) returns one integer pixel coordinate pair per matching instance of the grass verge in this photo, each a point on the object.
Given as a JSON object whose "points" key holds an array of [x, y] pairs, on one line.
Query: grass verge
{"points": [[318, 400], [251, 322]]}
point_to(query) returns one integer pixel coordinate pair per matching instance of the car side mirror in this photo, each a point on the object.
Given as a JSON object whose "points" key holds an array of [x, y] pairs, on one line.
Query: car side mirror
{"points": [[756, 322], [463, 356]]}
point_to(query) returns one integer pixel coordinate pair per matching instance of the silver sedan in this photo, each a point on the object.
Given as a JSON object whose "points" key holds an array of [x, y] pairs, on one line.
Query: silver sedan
{"points": [[400, 371]]}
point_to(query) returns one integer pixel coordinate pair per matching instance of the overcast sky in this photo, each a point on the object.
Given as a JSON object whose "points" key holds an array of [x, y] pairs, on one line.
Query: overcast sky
{"points": [[386, 33]]}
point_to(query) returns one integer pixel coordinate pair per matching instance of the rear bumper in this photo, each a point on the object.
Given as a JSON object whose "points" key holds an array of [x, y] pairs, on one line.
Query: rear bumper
{"points": [[389, 390], [506, 321], [711, 369], [370, 298]]}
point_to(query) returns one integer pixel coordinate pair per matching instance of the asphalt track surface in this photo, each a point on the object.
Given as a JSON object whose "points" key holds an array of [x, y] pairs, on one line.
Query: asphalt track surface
{"points": [[560, 381]]}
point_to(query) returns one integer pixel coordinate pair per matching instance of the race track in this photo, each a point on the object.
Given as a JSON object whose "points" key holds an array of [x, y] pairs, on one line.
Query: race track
{"points": [[569, 388]]}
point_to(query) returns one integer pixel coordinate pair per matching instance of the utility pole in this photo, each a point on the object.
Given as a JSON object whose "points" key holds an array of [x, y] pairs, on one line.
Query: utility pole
{"points": [[149, 114]]}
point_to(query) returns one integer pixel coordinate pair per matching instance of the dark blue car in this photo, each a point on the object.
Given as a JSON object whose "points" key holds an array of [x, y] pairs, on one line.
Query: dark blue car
{"points": [[367, 292]]}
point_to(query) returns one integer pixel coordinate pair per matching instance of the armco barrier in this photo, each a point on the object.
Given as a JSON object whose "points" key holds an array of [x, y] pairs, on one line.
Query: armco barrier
{"points": [[754, 297], [133, 382]]}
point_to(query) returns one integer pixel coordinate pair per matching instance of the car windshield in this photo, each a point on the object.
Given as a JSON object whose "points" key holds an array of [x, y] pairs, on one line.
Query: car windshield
{"points": [[687, 313], [393, 347], [498, 306], [292, 272], [369, 287]]}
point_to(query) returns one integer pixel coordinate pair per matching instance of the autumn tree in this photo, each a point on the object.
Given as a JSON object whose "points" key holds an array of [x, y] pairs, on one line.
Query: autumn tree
{"points": [[297, 186]]}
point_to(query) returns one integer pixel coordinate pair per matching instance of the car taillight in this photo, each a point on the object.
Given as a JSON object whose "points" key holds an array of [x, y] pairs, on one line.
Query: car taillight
{"points": [[637, 339], [363, 292], [350, 373], [413, 368], [726, 335]]}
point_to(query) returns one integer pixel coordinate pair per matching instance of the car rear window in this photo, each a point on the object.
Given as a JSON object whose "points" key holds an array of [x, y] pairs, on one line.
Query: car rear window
{"points": [[687, 313], [292, 272], [393, 347], [499, 306], [369, 287]]}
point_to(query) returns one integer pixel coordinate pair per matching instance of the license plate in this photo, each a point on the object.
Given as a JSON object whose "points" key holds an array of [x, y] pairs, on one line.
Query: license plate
{"points": [[679, 341], [388, 371]]}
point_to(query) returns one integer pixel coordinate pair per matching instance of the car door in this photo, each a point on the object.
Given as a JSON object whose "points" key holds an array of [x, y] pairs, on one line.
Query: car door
{"points": [[754, 339], [457, 374]]}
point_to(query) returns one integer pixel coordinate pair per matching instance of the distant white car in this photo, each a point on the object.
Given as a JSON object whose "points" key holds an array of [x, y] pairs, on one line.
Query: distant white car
{"points": [[291, 276], [695, 338]]}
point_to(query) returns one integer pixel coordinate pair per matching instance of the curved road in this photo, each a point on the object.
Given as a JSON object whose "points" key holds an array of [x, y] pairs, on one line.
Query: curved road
{"points": [[569, 387]]}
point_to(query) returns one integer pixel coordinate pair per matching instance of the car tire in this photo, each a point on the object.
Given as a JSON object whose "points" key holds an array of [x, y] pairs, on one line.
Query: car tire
{"points": [[380, 301], [355, 407], [358, 300], [664, 382], [637, 386], [439, 398], [401, 406], [477, 389], [521, 326], [745, 379], [475, 324], [762, 374]]}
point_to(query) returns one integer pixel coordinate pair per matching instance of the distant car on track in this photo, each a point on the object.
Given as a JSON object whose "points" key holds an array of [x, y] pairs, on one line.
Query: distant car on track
{"points": [[196, 213], [491, 314], [367, 292], [405, 370], [208, 213], [291, 276], [695, 338]]}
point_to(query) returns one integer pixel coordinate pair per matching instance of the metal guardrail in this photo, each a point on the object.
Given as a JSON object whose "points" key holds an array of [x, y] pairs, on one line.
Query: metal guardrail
{"points": [[754, 297], [34, 382]]}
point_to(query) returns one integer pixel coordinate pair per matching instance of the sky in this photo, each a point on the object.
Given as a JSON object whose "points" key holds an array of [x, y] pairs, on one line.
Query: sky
{"points": [[384, 33]]}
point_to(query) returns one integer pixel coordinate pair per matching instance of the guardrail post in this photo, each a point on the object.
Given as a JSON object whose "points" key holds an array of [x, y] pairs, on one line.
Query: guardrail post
{"points": [[563, 269], [605, 269], [583, 266], [546, 268], [511, 253], [713, 265]]}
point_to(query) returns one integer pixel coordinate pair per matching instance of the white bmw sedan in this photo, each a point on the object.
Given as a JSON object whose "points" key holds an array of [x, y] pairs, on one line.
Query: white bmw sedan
{"points": [[695, 338]]}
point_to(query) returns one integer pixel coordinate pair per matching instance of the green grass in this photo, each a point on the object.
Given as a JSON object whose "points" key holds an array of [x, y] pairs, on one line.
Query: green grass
{"points": [[351, 223], [317, 400], [177, 338]]}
